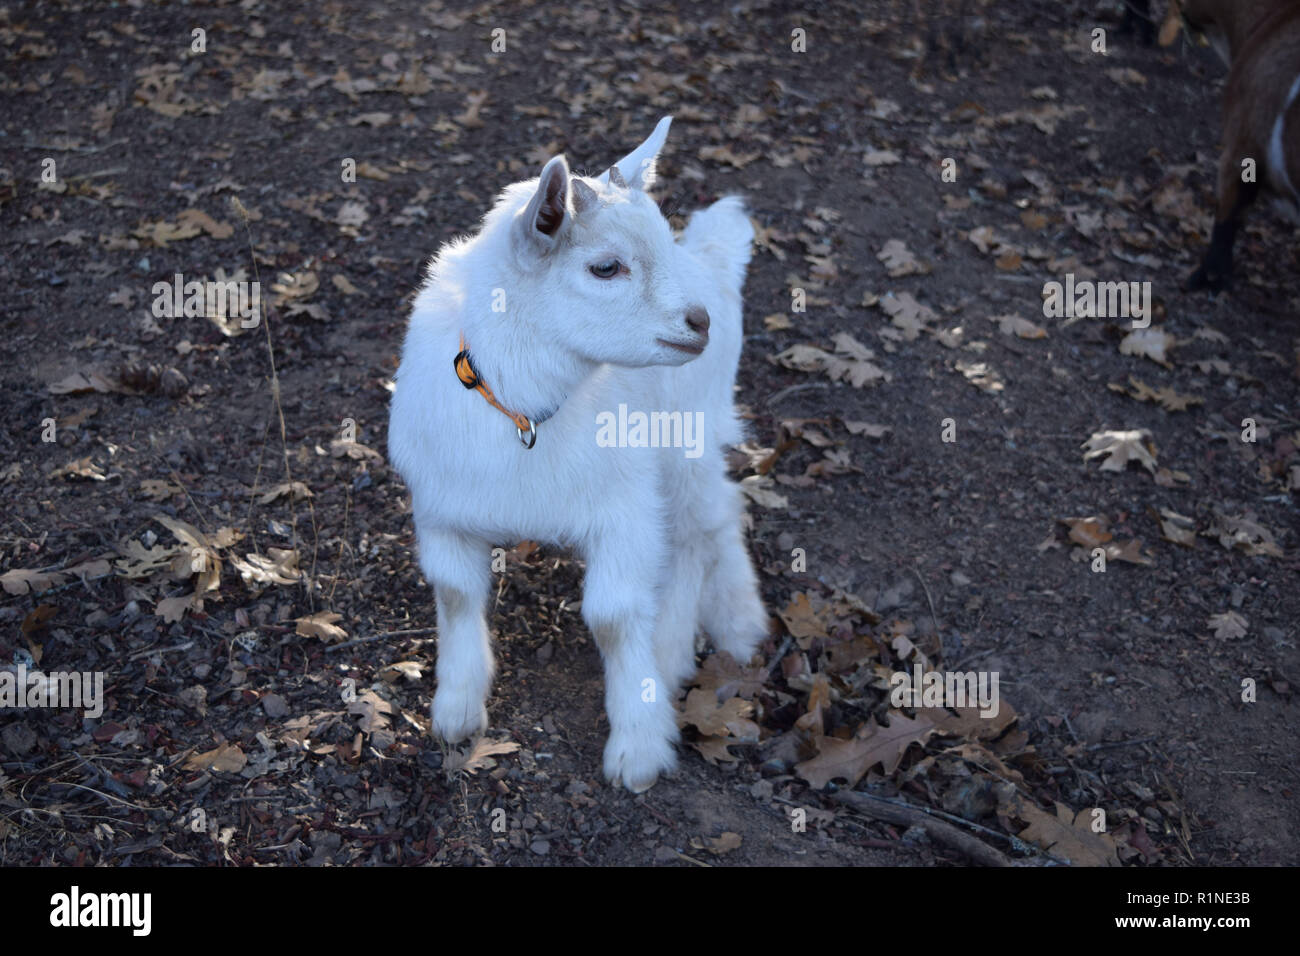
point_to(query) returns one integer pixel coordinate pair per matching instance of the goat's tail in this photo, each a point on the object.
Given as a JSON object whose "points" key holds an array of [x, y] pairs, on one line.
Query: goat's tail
{"points": [[722, 236]]}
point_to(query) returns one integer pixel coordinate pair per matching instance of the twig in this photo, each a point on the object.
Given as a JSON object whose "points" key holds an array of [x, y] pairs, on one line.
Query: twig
{"points": [[148, 651], [103, 172], [945, 833], [1121, 743], [75, 149], [792, 389], [413, 632], [275, 394], [780, 653], [938, 631]]}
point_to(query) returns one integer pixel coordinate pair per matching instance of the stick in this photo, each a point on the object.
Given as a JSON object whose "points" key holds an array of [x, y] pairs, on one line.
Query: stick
{"points": [[794, 388], [414, 632], [945, 833]]}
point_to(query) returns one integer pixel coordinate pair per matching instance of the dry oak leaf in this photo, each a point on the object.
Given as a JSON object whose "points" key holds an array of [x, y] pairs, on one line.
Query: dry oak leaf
{"points": [[760, 490], [982, 375], [79, 382], [856, 366], [392, 673], [727, 677], [479, 756], [723, 154], [1015, 325], [137, 561], [1130, 551], [1166, 397], [81, 468], [372, 710], [1229, 625], [354, 449], [297, 492], [802, 621], [881, 157], [1150, 343], [730, 718], [228, 758], [25, 580], [1244, 533], [968, 723], [321, 624], [289, 285], [899, 260], [1090, 532], [1120, 448], [983, 238], [906, 313], [873, 744], [1176, 528], [172, 609], [866, 428], [277, 566], [1067, 834], [162, 232], [725, 843], [157, 490], [715, 750], [200, 219]]}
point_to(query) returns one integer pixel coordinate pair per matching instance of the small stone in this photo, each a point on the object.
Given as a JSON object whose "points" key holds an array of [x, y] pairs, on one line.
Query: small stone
{"points": [[173, 384]]}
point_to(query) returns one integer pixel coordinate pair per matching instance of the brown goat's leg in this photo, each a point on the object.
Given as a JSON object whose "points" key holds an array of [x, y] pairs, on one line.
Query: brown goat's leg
{"points": [[1215, 271]]}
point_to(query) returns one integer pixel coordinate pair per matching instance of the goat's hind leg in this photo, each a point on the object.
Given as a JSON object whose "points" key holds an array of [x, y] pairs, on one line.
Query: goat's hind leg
{"points": [[731, 609], [679, 611], [459, 569]]}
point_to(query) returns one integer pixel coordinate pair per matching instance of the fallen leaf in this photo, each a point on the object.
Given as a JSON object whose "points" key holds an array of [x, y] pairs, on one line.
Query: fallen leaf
{"points": [[479, 756], [228, 758], [1228, 626], [899, 260], [321, 624], [1152, 343], [1120, 448], [873, 744]]}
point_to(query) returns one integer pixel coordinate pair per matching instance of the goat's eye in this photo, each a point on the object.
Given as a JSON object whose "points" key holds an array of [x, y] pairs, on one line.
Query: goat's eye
{"points": [[606, 270]]}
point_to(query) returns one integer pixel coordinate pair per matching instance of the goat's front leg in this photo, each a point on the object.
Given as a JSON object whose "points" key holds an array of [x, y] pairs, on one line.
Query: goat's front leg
{"points": [[459, 569], [619, 604]]}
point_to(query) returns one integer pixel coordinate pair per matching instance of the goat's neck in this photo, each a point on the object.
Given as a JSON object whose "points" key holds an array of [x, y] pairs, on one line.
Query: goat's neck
{"points": [[527, 374], [1240, 19]]}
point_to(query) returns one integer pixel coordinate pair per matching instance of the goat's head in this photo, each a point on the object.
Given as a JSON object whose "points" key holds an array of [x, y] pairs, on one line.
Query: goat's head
{"points": [[602, 268]]}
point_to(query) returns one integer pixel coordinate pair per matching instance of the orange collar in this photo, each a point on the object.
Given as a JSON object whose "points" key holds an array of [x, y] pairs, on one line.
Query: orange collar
{"points": [[526, 427]]}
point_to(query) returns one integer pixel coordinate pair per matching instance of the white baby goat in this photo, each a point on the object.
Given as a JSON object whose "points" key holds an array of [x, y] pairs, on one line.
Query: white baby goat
{"points": [[573, 299]]}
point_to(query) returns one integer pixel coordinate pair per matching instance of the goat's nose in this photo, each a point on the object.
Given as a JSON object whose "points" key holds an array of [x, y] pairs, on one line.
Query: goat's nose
{"points": [[698, 320]]}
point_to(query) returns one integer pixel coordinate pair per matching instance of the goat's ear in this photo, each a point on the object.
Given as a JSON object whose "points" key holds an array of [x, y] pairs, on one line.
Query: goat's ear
{"points": [[638, 167], [547, 213]]}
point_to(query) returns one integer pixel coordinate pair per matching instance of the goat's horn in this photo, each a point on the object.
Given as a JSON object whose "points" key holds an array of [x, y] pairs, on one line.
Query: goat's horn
{"points": [[616, 178], [584, 197]]}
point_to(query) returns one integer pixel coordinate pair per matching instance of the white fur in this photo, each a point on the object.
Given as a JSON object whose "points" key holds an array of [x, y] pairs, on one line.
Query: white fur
{"points": [[1277, 156], [660, 532]]}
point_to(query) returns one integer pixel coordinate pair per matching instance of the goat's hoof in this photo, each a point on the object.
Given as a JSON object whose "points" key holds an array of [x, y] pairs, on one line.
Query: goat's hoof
{"points": [[1210, 281], [456, 717], [637, 767]]}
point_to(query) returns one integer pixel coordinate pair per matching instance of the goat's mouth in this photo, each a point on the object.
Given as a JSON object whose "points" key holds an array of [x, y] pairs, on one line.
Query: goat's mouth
{"points": [[691, 348]]}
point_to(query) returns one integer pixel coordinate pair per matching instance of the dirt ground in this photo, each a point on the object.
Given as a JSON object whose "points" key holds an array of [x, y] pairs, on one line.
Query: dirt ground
{"points": [[242, 726]]}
